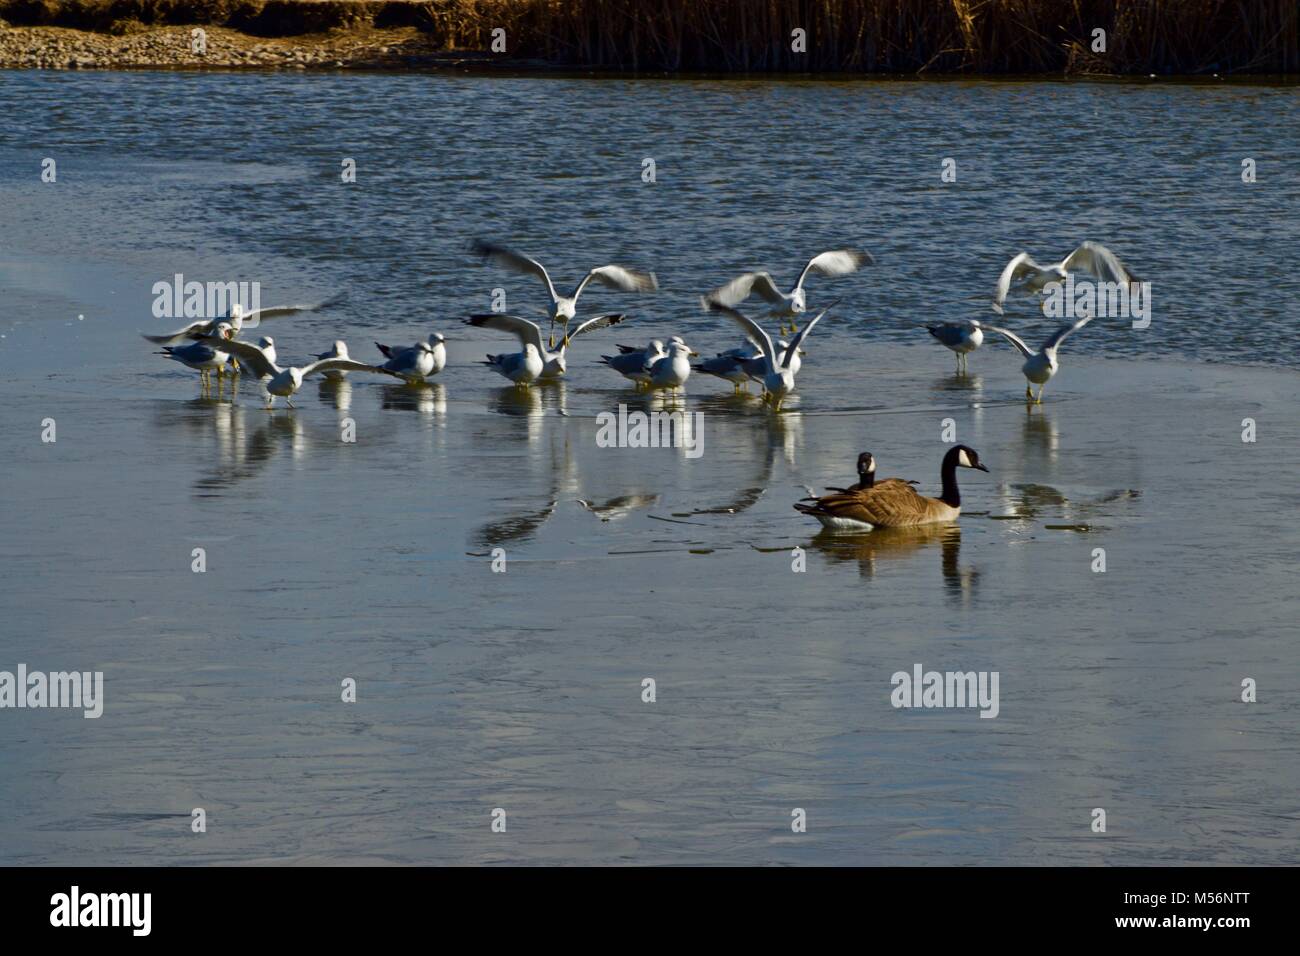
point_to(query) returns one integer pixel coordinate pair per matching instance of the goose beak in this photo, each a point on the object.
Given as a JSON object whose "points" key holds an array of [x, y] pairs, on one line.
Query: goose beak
{"points": [[982, 468]]}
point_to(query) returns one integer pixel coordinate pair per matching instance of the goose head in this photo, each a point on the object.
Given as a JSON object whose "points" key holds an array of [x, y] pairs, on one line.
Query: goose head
{"points": [[866, 464], [967, 457]]}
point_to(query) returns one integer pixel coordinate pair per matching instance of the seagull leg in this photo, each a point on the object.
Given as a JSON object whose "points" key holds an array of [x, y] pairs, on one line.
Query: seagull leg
{"points": [[1039, 400], [1029, 391]]}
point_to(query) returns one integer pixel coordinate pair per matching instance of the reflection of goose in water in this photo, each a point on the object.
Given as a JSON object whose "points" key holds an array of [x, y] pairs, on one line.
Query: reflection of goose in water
{"points": [[619, 507], [1031, 500], [896, 544], [514, 528]]}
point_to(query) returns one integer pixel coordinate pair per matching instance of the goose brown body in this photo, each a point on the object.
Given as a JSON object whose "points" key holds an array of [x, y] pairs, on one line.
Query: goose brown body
{"points": [[894, 503]]}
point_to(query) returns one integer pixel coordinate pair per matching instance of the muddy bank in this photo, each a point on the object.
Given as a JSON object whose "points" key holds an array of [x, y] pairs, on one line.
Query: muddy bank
{"points": [[744, 36]]}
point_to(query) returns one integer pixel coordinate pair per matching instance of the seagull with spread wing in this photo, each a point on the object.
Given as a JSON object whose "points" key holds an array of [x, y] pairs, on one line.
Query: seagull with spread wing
{"points": [[237, 318], [564, 307], [778, 368], [284, 382], [1041, 365], [788, 305], [1028, 276], [554, 362]]}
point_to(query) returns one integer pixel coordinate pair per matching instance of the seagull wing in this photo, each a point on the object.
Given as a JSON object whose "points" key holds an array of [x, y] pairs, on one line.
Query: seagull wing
{"points": [[1014, 339], [596, 323], [514, 261], [793, 350], [1060, 334], [193, 329], [252, 356], [740, 288], [838, 262], [1015, 269], [755, 333], [528, 333], [343, 365], [616, 277], [1099, 261]]}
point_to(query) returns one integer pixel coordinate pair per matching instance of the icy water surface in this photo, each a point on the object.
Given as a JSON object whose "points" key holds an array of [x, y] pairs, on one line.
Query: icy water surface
{"points": [[523, 690]]}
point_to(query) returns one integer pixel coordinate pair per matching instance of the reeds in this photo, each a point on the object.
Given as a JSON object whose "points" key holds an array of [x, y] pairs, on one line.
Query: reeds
{"points": [[755, 36]]}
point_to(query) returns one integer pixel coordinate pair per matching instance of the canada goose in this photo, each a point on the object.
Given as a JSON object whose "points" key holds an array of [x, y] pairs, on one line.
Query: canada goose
{"points": [[285, 381], [1029, 276], [778, 365], [563, 307], [788, 305], [895, 503], [522, 368], [205, 355], [1040, 366], [554, 364], [672, 370], [962, 337]]}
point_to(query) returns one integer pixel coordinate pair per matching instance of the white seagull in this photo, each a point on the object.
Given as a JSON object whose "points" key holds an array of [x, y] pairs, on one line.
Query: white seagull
{"points": [[522, 368], [209, 354], [1027, 275], [790, 304], [419, 361], [962, 337], [778, 373], [672, 370], [554, 364], [338, 350], [285, 381], [564, 307], [634, 364], [1040, 366], [237, 317]]}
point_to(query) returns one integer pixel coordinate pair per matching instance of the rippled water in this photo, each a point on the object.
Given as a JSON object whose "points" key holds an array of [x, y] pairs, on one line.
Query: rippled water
{"points": [[523, 690]]}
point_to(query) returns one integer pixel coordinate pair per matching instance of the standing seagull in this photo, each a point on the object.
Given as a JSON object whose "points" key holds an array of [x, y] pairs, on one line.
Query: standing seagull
{"points": [[672, 370], [209, 354], [285, 381], [554, 363], [418, 362], [1091, 257], [1040, 366], [778, 370], [522, 368], [962, 337], [635, 364], [338, 350], [837, 262], [563, 307]]}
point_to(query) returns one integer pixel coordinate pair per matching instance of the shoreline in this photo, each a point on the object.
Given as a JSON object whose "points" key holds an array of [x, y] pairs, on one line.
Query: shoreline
{"points": [[845, 38]]}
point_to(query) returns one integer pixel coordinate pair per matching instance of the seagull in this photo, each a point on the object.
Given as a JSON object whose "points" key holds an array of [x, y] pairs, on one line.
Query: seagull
{"points": [[962, 337], [419, 361], [729, 366], [207, 355], [1091, 257], [778, 373], [285, 381], [553, 363], [635, 364], [338, 350], [672, 370], [267, 345], [1040, 366], [236, 318], [837, 262], [563, 308], [522, 368]]}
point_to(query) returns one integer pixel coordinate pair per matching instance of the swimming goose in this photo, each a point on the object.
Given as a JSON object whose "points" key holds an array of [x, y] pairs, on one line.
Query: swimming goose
{"points": [[635, 364], [778, 367], [1040, 366], [837, 262], [866, 478], [895, 503], [554, 364], [283, 382], [1091, 257], [208, 354], [962, 337], [564, 307], [522, 368]]}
